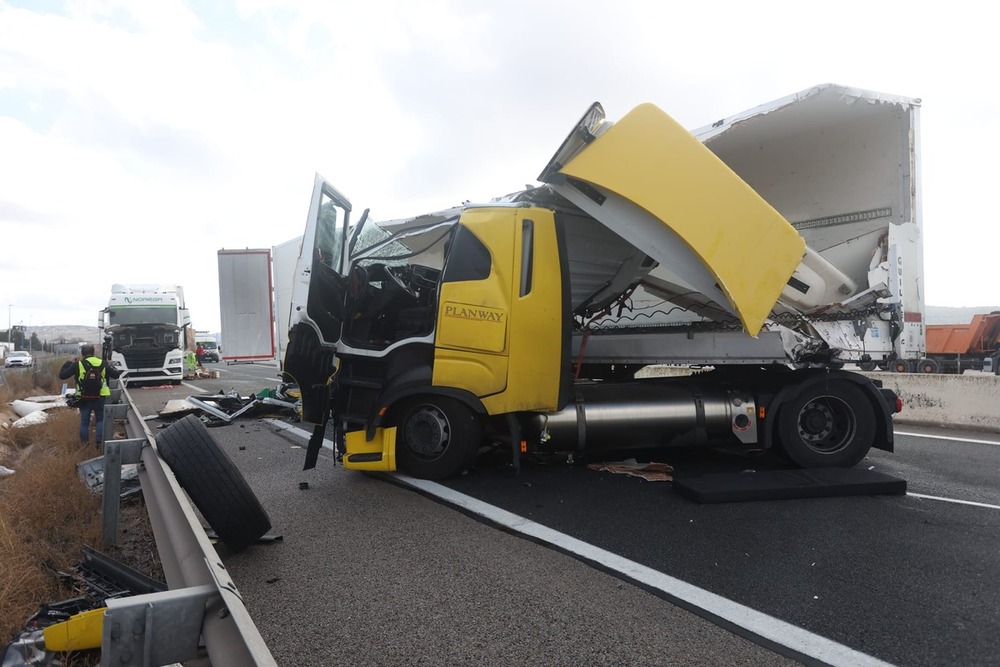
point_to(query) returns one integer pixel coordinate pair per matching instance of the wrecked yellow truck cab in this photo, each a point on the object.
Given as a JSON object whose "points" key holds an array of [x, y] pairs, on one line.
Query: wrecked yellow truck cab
{"points": [[426, 339]]}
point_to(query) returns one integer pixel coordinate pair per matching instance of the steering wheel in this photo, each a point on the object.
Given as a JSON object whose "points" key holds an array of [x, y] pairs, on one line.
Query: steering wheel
{"points": [[396, 278]]}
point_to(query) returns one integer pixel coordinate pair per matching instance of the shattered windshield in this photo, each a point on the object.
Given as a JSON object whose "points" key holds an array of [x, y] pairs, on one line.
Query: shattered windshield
{"points": [[395, 242], [395, 275]]}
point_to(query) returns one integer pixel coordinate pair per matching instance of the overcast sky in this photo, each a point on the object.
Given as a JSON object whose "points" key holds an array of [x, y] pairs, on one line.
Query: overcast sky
{"points": [[138, 138]]}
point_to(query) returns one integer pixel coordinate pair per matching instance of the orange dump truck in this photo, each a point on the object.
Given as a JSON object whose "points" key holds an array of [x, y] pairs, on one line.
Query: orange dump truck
{"points": [[953, 348]]}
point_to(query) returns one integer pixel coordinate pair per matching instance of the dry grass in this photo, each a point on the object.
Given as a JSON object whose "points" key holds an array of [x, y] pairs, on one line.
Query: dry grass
{"points": [[48, 516], [47, 513]]}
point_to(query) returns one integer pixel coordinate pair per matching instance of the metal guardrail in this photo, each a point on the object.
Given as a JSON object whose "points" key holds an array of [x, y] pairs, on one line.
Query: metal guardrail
{"points": [[201, 619]]}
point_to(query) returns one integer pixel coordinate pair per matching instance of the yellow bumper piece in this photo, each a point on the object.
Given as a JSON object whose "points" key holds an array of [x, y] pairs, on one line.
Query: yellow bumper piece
{"points": [[378, 454], [81, 632]]}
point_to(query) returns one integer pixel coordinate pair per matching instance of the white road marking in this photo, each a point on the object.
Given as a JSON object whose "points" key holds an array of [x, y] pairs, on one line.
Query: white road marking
{"points": [[948, 437], [713, 607], [328, 444], [295, 430], [954, 500], [954, 439]]}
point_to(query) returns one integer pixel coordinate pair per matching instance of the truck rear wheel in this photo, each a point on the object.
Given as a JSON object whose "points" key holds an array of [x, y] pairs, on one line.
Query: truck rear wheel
{"points": [[900, 366], [829, 425], [928, 366], [436, 437], [214, 483]]}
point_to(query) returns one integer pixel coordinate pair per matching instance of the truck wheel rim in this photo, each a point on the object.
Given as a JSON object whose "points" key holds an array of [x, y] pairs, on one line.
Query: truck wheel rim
{"points": [[427, 433], [826, 424]]}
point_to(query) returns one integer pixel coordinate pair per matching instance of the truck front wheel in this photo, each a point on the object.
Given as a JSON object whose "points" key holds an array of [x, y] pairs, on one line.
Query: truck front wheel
{"points": [[830, 425], [436, 437]]}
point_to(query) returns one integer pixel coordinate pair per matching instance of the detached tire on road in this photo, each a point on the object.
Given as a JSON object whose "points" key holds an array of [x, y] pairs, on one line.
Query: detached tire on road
{"points": [[214, 483]]}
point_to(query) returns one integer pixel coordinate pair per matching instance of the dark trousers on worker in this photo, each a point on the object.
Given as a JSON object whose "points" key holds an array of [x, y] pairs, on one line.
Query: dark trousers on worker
{"points": [[88, 405]]}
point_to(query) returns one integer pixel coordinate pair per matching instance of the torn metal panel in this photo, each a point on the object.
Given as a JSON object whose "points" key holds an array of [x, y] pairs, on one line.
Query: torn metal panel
{"points": [[177, 408], [92, 473]]}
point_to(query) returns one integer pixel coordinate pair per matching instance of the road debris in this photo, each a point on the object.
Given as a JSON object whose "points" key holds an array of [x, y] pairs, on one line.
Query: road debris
{"points": [[651, 472], [223, 408], [76, 624], [92, 473]]}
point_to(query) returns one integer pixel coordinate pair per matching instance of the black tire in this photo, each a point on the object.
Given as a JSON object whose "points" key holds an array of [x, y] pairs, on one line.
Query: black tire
{"points": [[436, 437], [216, 486], [866, 365], [830, 425], [928, 366], [900, 366]]}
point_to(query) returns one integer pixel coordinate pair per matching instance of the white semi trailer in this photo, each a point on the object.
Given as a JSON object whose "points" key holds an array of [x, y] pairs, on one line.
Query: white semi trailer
{"points": [[246, 305], [842, 166]]}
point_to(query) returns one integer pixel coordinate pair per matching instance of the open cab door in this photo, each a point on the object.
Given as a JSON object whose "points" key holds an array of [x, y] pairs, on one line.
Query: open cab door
{"points": [[317, 305]]}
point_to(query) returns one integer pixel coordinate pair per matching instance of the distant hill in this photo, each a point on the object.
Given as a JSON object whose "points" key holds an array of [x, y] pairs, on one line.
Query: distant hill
{"points": [[955, 315], [67, 333]]}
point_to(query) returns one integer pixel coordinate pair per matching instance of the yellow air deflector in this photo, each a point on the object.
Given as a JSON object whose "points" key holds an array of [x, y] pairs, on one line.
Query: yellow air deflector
{"points": [[650, 160]]}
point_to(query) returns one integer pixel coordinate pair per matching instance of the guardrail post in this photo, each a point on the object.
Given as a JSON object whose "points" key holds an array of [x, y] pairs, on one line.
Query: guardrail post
{"points": [[116, 454]]}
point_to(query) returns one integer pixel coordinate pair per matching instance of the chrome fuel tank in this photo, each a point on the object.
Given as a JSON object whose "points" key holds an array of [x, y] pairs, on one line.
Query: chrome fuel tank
{"points": [[644, 415]]}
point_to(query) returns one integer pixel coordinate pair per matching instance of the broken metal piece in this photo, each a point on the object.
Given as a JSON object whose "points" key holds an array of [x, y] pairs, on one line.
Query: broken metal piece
{"points": [[203, 403]]}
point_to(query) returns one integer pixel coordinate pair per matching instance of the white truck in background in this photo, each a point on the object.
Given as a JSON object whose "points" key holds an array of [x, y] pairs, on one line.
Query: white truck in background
{"points": [[210, 344], [246, 305], [146, 331]]}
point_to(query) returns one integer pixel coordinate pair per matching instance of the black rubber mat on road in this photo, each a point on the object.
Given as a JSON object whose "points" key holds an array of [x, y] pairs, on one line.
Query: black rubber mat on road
{"points": [[786, 484]]}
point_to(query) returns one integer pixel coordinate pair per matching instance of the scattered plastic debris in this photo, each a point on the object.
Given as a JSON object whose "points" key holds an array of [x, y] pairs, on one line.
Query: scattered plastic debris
{"points": [[32, 419], [651, 472], [99, 578]]}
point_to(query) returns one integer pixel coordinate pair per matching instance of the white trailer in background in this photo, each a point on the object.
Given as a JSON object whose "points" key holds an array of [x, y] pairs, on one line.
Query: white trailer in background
{"points": [[246, 306], [284, 257]]}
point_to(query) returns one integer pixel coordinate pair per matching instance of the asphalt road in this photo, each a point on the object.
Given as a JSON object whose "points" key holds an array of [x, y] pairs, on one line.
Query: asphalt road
{"points": [[369, 572]]}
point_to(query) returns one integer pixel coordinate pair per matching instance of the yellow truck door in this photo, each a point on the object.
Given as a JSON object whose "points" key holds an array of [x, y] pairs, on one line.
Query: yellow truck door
{"points": [[502, 322]]}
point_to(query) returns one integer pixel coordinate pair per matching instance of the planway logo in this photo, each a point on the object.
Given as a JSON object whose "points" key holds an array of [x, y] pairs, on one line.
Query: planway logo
{"points": [[476, 313]]}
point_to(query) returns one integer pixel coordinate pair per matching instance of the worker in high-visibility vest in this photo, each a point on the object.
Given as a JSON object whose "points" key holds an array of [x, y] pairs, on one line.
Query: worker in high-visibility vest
{"points": [[92, 390]]}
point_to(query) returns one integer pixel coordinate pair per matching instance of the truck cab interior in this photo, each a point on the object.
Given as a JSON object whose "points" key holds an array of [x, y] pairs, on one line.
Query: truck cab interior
{"points": [[389, 302]]}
